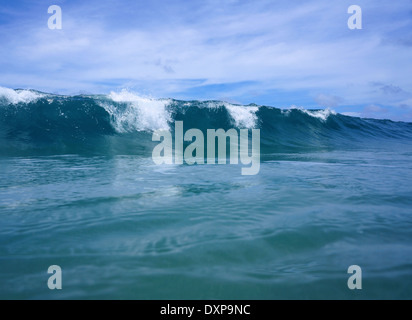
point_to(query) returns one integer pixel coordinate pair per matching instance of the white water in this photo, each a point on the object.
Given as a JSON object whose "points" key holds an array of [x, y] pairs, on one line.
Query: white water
{"points": [[139, 114], [19, 96]]}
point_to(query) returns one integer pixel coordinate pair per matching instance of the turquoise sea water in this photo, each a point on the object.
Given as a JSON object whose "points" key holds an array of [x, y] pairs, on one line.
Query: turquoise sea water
{"points": [[79, 189]]}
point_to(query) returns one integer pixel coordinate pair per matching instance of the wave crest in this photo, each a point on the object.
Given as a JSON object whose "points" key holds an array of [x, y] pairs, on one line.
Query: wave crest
{"points": [[11, 96], [130, 112]]}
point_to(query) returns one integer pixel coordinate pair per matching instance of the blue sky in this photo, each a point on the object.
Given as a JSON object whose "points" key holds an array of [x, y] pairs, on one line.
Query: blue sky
{"points": [[277, 53]]}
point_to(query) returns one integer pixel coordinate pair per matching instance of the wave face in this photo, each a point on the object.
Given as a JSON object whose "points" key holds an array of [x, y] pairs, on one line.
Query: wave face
{"points": [[35, 123]]}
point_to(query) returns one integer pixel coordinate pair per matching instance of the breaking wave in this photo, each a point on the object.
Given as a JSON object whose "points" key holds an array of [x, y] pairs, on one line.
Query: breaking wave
{"points": [[36, 123]]}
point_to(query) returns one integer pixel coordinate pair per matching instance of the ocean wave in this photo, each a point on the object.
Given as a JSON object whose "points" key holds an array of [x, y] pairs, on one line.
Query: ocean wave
{"points": [[122, 122]]}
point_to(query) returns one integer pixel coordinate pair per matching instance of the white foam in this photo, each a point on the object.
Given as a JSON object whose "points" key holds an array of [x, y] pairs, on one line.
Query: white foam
{"points": [[319, 114], [140, 114], [19, 96], [286, 112], [243, 116], [213, 105]]}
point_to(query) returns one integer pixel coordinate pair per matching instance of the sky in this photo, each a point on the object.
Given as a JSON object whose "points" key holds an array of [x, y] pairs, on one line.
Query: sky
{"points": [[268, 52]]}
